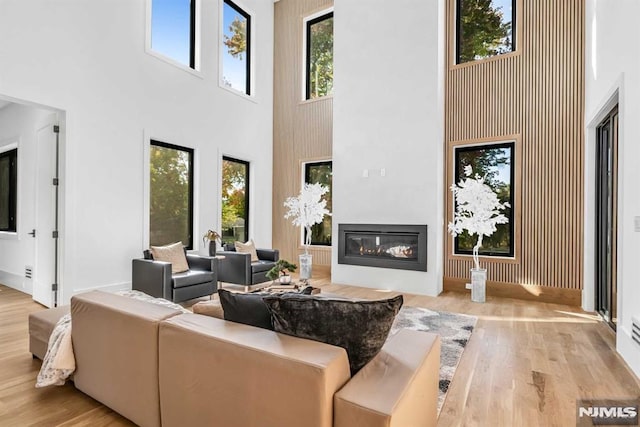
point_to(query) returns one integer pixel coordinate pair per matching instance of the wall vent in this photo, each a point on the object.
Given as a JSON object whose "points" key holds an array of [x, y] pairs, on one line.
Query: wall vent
{"points": [[635, 329], [28, 272]]}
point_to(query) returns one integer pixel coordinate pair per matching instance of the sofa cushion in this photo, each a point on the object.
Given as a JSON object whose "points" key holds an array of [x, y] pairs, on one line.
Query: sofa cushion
{"points": [[248, 248], [173, 253], [192, 277], [249, 309], [360, 327], [211, 308], [260, 266]]}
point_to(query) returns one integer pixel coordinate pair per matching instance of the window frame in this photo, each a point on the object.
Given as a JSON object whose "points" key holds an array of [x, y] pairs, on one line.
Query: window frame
{"points": [[194, 27], [516, 183], [12, 153], [308, 23], [515, 18], [305, 179], [242, 12], [247, 193], [191, 152]]}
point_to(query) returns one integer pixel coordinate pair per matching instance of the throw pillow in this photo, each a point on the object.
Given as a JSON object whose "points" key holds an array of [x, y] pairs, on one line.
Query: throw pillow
{"points": [[173, 253], [249, 309], [248, 248], [360, 327]]}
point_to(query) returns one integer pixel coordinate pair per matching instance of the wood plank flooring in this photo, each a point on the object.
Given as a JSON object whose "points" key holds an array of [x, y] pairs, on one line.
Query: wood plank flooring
{"points": [[525, 365]]}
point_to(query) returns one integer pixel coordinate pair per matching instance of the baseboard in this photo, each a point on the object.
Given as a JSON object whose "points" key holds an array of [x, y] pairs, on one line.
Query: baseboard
{"points": [[325, 270], [629, 350], [17, 282], [519, 291]]}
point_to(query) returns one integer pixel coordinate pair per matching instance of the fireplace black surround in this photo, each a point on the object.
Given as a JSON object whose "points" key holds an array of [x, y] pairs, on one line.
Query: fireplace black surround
{"points": [[402, 247]]}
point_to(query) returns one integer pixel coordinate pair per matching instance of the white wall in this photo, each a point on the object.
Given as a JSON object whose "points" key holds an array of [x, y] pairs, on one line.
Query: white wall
{"points": [[613, 64], [19, 124], [88, 58], [388, 114]]}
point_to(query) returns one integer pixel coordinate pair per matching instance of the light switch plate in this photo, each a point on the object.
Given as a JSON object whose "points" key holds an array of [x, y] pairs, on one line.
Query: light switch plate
{"points": [[636, 224]]}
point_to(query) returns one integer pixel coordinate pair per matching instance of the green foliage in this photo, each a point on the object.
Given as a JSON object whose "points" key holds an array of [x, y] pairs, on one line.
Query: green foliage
{"points": [[487, 162], [237, 43], [321, 64], [234, 184], [483, 32], [282, 266], [322, 174], [170, 187]]}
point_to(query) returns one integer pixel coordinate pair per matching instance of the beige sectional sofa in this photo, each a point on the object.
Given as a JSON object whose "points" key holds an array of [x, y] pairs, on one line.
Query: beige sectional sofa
{"points": [[159, 367]]}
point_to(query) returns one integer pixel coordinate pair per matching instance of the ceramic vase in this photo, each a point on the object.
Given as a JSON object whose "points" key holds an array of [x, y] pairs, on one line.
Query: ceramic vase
{"points": [[306, 261], [285, 279], [478, 284]]}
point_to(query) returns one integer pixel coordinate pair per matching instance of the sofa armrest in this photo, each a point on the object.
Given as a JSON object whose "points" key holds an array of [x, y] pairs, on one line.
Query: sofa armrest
{"points": [[268, 254], [115, 342], [200, 262], [235, 268], [399, 387], [152, 278]]}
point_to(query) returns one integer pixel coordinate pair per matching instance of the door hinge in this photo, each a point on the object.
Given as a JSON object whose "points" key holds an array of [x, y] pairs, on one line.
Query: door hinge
{"points": [[55, 181], [54, 234], [56, 129], [54, 287]]}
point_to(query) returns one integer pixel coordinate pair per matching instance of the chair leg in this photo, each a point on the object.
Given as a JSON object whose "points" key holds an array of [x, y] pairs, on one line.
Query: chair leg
{"points": [[246, 288]]}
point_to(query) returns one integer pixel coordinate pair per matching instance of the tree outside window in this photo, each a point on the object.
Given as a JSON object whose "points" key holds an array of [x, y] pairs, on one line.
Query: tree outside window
{"points": [[319, 71], [485, 28], [321, 173], [236, 49], [171, 189], [235, 200], [494, 162]]}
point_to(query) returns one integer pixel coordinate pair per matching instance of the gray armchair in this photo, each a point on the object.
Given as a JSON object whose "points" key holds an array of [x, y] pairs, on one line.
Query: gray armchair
{"points": [[155, 278], [238, 269]]}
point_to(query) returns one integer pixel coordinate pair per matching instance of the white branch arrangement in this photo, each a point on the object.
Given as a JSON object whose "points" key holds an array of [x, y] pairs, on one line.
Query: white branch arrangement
{"points": [[307, 209], [478, 210]]}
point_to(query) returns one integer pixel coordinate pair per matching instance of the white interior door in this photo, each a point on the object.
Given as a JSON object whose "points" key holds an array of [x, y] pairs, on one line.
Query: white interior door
{"points": [[44, 265]]}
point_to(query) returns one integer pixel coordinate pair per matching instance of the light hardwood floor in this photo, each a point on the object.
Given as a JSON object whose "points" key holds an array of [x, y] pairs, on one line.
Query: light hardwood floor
{"points": [[525, 365]]}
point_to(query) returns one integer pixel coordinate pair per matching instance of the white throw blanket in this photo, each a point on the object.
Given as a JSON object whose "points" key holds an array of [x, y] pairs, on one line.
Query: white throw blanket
{"points": [[59, 362]]}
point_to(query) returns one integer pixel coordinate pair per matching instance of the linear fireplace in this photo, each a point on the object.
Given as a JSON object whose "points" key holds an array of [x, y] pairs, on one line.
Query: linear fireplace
{"points": [[401, 247]]}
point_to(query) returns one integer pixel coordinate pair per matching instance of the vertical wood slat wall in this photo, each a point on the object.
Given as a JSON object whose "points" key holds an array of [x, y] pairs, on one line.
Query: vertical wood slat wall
{"points": [[302, 131], [538, 94]]}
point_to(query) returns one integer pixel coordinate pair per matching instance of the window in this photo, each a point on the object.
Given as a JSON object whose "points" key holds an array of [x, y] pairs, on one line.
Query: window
{"points": [[495, 162], [484, 28], [171, 204], [321, 173], [236, 48], [235, 200], [319, 61], [8, 189], [173, 31]]}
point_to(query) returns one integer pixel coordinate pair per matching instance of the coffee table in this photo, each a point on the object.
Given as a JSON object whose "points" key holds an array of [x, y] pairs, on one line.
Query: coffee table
{"points": [[291, 287]]}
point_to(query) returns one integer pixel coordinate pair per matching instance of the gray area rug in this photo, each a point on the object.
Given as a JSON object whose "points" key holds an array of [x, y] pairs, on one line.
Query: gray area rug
{"points": [[454, 330]]}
